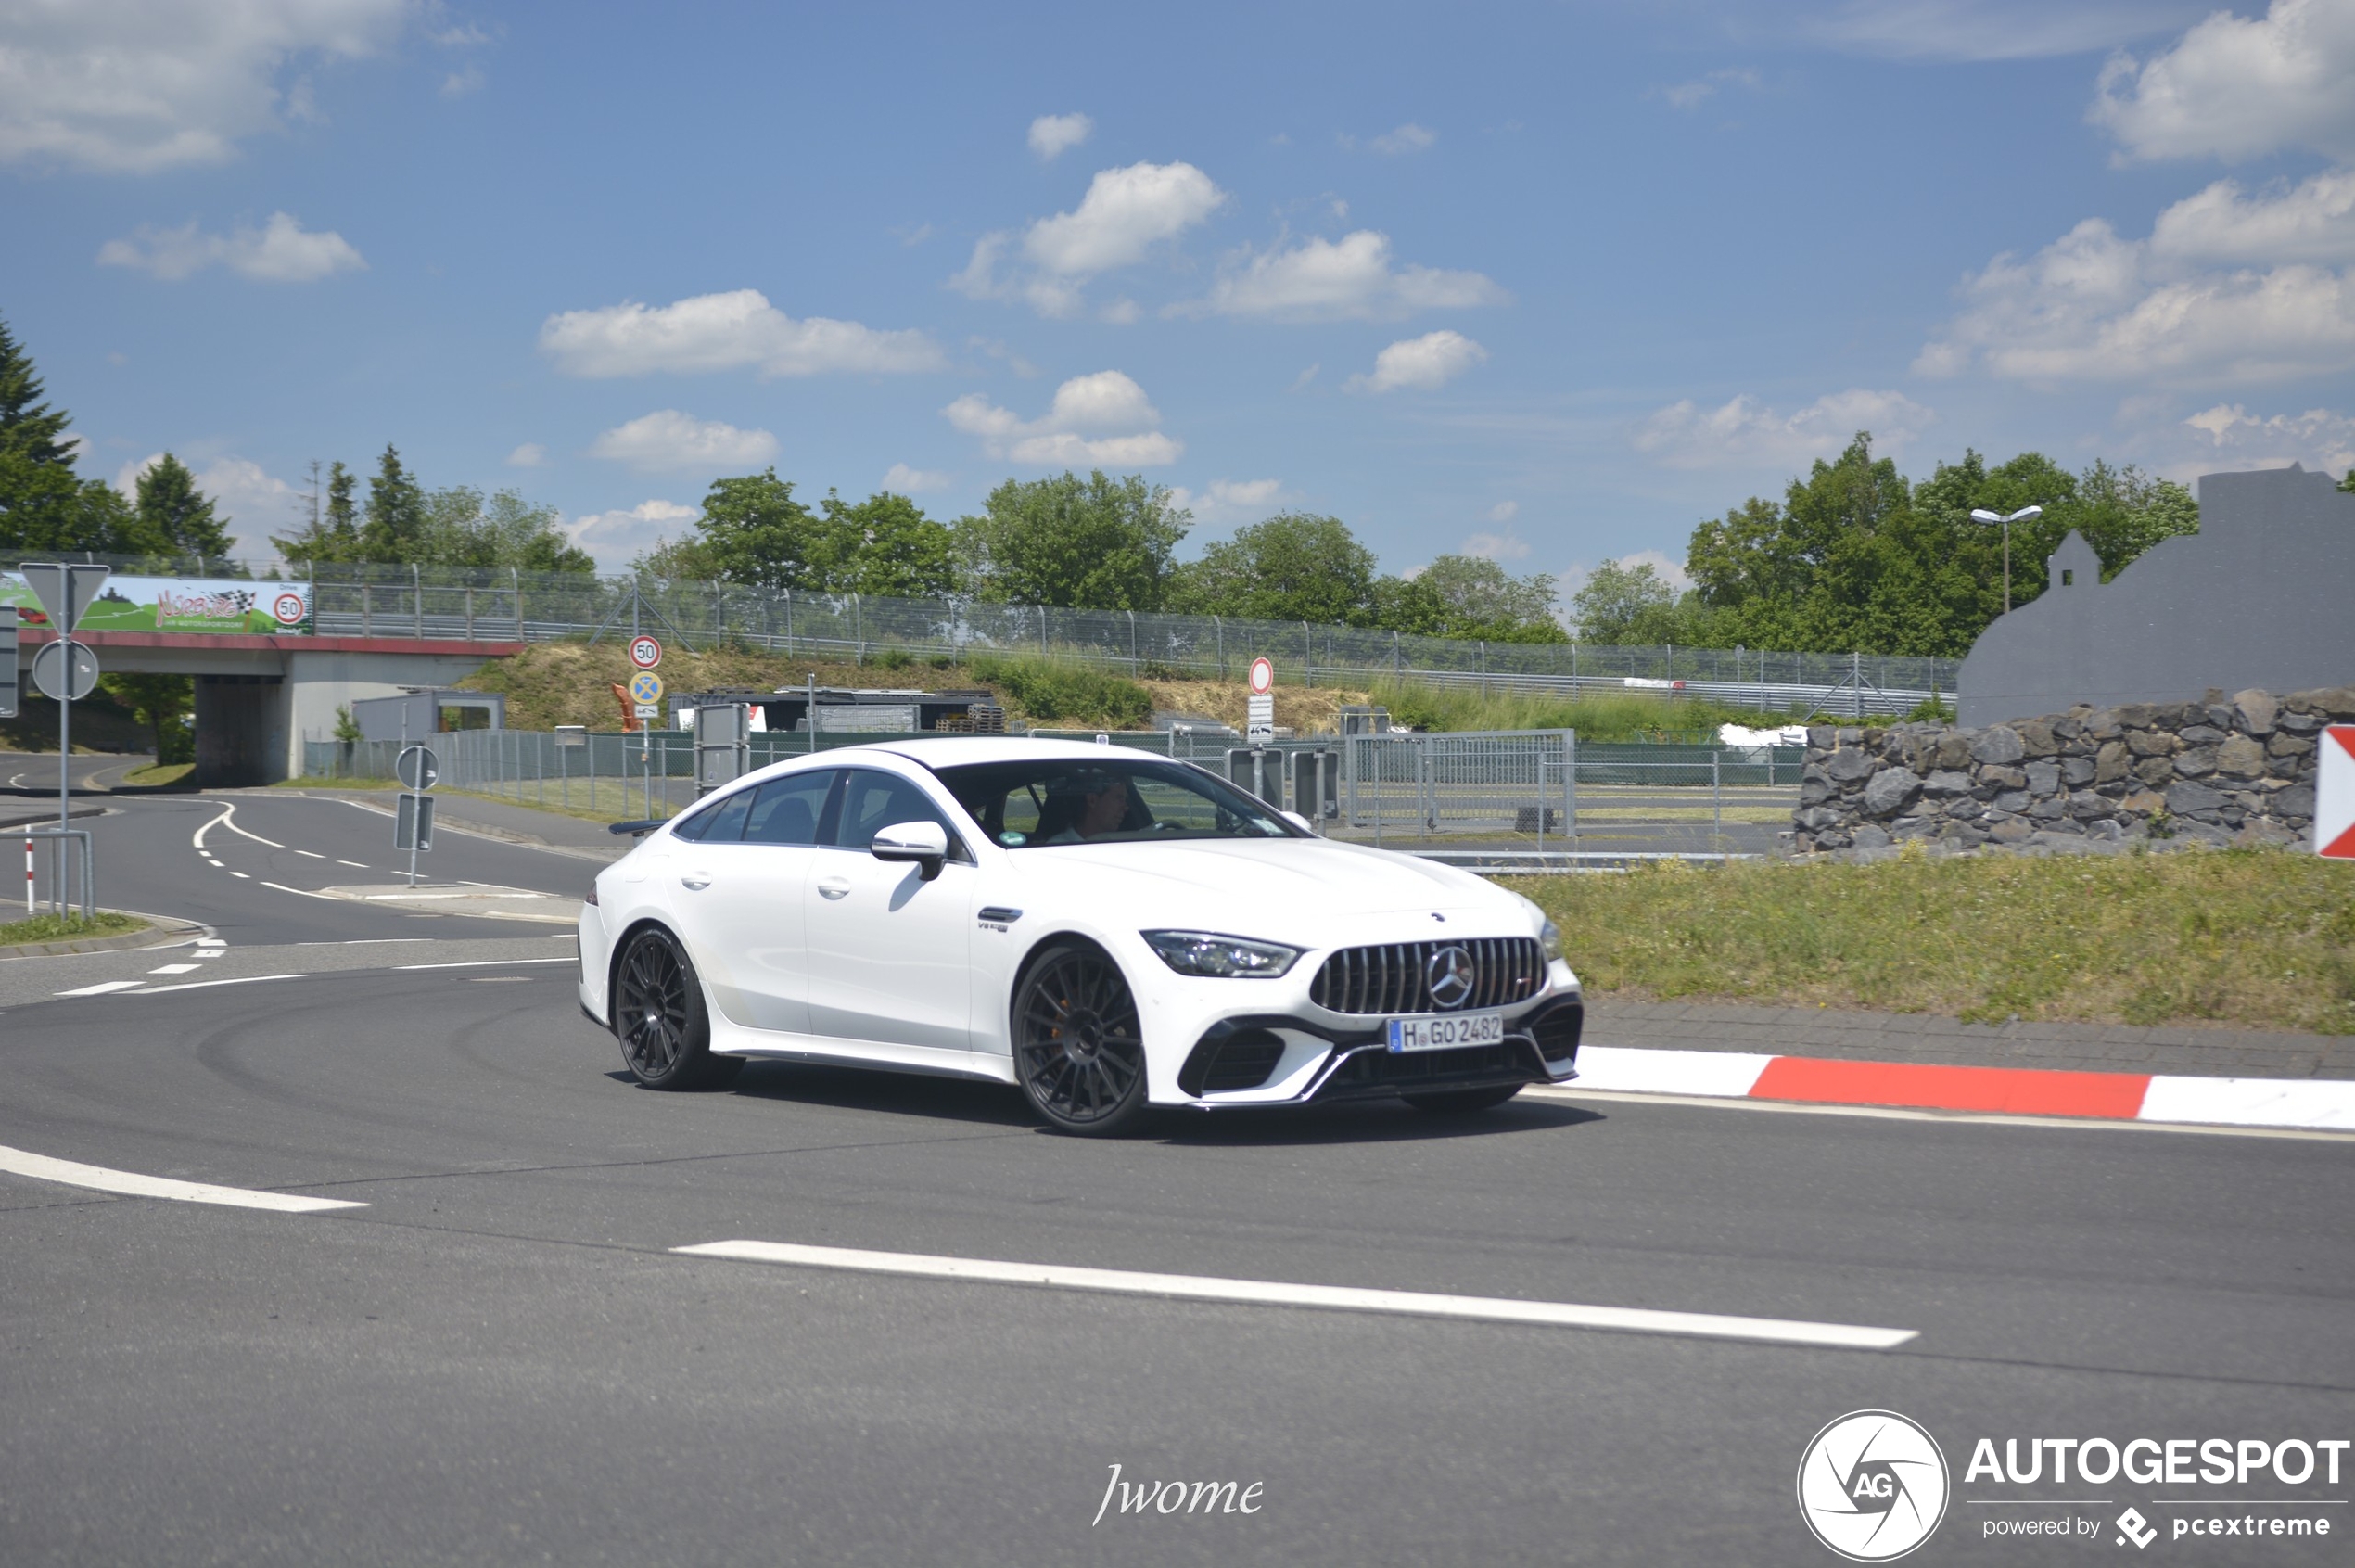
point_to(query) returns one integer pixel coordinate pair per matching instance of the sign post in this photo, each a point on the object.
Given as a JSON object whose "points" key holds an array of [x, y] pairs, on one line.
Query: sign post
{"points": [[2334, 792], [646, 653], [1259, 726], [7, 661], [65, 591], [418, 770]]}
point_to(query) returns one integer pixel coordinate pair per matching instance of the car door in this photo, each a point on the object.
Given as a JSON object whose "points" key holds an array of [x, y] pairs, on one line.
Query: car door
{"points": [[888, 960], [738, 896]]}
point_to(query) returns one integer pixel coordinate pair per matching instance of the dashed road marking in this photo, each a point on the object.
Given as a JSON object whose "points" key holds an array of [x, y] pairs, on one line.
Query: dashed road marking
{"points": [[173, 969], [200, 985], [103, 987], [303, 892], [70, 1173], [484, 962]]}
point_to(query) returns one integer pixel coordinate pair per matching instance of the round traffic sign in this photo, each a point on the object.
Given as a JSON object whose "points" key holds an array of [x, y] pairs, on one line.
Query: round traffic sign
{"points": [[645, 652], [417, 768], [65, 668], [645, 687], [289, 608], [1263, 676]]}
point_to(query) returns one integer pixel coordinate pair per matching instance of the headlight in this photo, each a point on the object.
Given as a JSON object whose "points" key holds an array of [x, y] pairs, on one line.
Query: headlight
{"points": [[1549, 937], [1207, 953]]}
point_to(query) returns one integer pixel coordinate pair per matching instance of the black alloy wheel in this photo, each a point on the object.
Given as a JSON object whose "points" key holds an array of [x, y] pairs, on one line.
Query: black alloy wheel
{"points": [[1077, 1044], [658, 1017], [1456, 1102]]}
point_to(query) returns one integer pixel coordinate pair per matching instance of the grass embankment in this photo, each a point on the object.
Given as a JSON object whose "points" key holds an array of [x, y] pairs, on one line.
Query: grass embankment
{"points": [[2261, 940], [1597, 715], [156, 774], [67, 928]]}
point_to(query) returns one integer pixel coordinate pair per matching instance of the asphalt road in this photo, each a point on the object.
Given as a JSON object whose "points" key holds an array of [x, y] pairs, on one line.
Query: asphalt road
{"points": [[501, 1358]]}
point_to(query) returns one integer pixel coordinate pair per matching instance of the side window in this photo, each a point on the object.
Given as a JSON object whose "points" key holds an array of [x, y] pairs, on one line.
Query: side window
{"points": [[871, 801], [721, 822], [786, 810]]}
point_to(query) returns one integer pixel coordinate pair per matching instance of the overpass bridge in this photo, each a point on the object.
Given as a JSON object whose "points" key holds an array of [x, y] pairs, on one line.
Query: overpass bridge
{"points": [[259, 694]]}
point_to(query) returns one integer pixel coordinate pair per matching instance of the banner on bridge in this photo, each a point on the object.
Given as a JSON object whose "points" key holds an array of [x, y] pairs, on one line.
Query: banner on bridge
{"points": [[219, 605]]}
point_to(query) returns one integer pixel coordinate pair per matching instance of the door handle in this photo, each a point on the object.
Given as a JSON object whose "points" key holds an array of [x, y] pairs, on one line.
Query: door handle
{"points": [[695, 882], [833, 887]]}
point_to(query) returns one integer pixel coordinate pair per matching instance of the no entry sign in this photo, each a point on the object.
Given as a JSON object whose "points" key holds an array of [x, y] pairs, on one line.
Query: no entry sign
{"points": [[1263, 675], [645, 652], [2335, 795]]}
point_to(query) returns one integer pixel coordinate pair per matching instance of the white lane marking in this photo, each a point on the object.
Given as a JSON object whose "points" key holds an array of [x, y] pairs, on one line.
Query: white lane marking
{"points": [[1562, 1314], [200, 985], [353, 863], [304, 892], [484, 962], [173, 969], [313, 854], [363, 941], [41, 1167], [504, 893], [103, 988], [241, 876]]}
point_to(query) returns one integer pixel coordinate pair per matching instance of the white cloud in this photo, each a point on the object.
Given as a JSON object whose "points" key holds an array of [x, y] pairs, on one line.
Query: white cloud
{"points": [[1504, 512], [1124, 215], [1745, 433], [1351, 278], [1494, 546], [2229, 436], [667, 439], [1120, 312], [1054, 135], [2091, 306], [733, 331], [2313, 220], [250, 503], [904, 480], [458, 84], [1409, 137], [2237, 88], [282, 250], [1300, 382], [1106, 401], [1426, 363], [531, 455], [133, 86], [1692, 94], [1994, 30], [615, 536], [1230, 501]]}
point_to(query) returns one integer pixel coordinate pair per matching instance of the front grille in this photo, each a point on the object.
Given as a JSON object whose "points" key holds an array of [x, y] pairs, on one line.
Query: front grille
{"points": [[1408, 1069], [1557, 1030], [1390, 978], [1244, 1061]]}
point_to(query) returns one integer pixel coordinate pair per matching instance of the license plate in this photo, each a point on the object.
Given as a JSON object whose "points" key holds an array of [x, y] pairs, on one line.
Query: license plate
{"points": [[1439, 1031]]}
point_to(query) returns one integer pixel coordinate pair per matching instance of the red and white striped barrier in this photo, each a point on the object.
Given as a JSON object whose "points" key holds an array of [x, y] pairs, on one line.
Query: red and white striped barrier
{"points": [[2322, 1103]]}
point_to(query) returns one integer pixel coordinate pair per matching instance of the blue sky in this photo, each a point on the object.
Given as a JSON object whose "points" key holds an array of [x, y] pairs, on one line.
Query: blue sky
{"points": [[1545, 283]]}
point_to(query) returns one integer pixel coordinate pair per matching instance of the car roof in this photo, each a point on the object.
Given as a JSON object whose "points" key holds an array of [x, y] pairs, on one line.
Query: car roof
{"points": [[950, 750]]}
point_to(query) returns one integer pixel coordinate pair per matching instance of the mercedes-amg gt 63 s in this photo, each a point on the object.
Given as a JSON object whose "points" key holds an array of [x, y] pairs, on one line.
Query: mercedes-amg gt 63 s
{"points": [[1108, 929]]}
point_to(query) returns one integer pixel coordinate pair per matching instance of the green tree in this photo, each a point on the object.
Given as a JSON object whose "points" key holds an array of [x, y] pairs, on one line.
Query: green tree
{"points": [[754, 532], [1295, 566], [886, 544], [2123, 512], [332, 531], [163, 703], [171, 517], [462, 528], [1477, 598], [1095, 544], [44, 504], [1623, 604], [395, 523]]}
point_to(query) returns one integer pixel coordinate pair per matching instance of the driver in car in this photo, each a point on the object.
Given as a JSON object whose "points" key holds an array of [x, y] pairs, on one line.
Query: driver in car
{"points": [[1106, 806]]}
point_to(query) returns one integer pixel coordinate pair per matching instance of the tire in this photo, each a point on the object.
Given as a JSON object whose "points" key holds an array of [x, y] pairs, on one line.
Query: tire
{"points": [[1461, 1101], [659, 1020], [1079, 1052]]}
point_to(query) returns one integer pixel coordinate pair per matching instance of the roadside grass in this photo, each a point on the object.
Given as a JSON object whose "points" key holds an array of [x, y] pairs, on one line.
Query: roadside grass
{"points": [[2252, 939], [65, 928], [1602, 716], [156, 774]]}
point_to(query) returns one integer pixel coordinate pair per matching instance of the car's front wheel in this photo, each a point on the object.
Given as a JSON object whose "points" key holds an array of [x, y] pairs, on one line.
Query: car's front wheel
{"points": [[1078, 1048], [1456, 1102], [658, 1016]]}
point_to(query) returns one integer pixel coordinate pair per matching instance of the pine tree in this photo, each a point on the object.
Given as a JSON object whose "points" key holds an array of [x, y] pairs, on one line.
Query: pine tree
{"points": [[44, 504], [332, 532], [28, 428], [396, 522], [172, 517]]}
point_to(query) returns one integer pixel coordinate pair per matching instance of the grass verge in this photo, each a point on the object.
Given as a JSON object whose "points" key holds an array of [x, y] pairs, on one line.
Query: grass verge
{"points": [[1599, 716], [2260, 940], [65, 928], [156, 773]]}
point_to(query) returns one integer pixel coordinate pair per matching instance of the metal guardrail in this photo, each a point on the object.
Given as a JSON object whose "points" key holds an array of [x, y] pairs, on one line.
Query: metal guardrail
{"points": [[60, 883]]}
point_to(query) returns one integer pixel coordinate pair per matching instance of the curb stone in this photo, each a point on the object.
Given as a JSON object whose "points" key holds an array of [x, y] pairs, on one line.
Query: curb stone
{"points": [[162, 931]]}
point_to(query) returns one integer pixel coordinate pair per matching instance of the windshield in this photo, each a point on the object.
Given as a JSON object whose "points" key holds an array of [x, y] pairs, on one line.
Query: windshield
{"points": [[1070, 800]]}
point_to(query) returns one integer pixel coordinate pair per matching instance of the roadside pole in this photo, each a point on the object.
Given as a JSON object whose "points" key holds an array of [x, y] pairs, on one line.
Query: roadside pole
{"points": [[65, 669]]}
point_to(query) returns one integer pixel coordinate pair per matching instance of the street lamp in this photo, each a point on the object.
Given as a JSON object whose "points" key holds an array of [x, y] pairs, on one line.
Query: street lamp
{"points": [[1980, 515]]}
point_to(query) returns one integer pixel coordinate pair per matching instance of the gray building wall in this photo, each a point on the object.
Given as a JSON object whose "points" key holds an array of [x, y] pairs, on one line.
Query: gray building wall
{"points": [[2263, 596]]}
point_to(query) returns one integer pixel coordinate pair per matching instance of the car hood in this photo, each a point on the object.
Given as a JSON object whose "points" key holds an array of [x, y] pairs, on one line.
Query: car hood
{"points": [[1304, 887]]}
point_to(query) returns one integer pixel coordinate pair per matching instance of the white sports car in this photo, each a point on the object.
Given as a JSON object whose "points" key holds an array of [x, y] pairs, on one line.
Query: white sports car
{"points": [[1108, 929]]}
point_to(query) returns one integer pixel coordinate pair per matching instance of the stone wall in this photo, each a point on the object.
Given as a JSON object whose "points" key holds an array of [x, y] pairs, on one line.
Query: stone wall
{"points": [[2236, 770]]}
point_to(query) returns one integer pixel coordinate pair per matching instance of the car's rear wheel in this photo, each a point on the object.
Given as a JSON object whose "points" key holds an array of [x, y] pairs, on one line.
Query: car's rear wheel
{"points": [[1457, 1102], [658, 1017], [1078, 1048]]}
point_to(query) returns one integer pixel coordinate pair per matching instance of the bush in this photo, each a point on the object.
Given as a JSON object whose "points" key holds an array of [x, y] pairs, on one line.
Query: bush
{"points": [[1605, 716], [1057, 690]]}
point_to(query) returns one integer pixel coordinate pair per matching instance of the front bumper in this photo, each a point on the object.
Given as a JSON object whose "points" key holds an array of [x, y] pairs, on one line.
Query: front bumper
{"points": [[1258, 1059]]}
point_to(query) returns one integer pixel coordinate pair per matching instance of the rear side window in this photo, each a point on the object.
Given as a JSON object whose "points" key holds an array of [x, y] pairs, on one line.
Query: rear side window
{"points": [[786, 810], [721, 822], [872, 801]]}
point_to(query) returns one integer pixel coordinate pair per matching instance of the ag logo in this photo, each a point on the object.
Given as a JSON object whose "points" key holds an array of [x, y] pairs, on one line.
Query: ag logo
{"points": [[1872, 1485], [1449, 976]]}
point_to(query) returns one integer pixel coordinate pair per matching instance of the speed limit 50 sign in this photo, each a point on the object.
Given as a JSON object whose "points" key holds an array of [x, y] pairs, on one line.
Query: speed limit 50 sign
{"points": [[645, 652]]}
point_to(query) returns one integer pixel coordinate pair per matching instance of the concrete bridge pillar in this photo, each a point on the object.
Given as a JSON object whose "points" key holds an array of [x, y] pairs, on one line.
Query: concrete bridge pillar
{"points": [[241, 737]]}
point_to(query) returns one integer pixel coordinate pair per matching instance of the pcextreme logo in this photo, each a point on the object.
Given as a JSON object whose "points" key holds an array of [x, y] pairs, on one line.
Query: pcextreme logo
{"points": [[1873, 1485]]}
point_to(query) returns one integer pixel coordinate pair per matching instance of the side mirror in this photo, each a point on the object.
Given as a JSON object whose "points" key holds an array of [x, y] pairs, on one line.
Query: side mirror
{"points": [[1300, 822], [924, 844]]}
